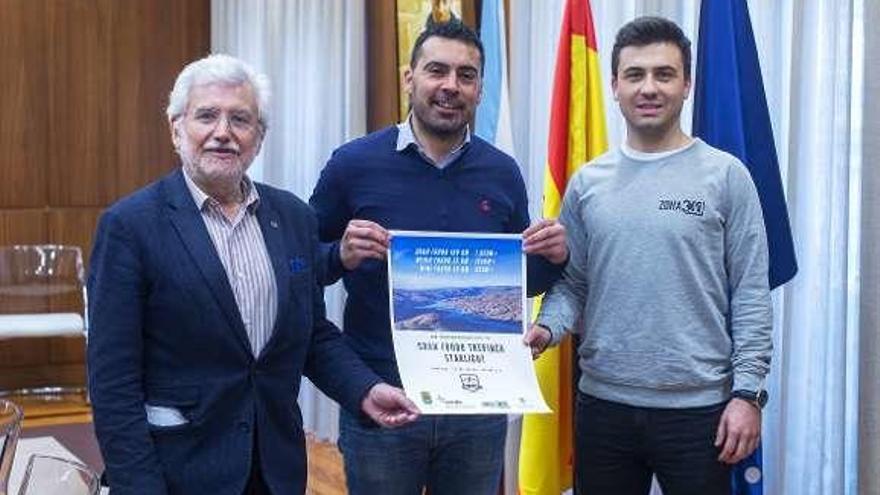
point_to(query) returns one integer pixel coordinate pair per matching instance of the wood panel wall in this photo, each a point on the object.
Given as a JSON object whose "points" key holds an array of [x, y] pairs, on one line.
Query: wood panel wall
{"points": [[84, 85]]}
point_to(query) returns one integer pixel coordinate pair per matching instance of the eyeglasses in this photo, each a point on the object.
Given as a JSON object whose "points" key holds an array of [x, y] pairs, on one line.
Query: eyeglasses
{"points": [[240, 122]]}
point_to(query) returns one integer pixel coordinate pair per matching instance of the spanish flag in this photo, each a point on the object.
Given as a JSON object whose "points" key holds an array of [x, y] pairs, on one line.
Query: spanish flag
{"points": [[577, 135]]}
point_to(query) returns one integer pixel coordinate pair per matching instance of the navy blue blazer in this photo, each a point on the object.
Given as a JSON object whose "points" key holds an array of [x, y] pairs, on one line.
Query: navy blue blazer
{"points": [[165, 330]]}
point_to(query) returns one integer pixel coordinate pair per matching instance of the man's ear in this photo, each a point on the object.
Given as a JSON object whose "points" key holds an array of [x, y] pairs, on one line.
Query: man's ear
{"points": [[614, 88], [175, 131], [407, 80], [260, 139]]}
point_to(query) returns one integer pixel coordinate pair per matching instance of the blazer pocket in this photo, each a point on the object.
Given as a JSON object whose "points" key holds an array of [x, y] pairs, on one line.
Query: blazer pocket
{"points": [[184, 400], [163, 429]]}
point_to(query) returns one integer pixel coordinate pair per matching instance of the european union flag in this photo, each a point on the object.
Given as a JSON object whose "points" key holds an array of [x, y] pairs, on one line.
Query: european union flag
{"points": [[730, 113]]}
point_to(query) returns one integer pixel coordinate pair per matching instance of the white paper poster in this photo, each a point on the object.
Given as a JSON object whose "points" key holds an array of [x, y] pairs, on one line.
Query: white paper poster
{"points": [[457, 316]]}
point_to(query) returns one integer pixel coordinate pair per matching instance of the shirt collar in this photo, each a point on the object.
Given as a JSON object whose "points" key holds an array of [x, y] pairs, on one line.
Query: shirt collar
{"points": [[406, 137], [644, 156], [203, 200]]}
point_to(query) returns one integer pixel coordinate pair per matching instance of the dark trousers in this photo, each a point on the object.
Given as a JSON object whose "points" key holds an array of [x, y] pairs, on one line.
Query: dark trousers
{"points": [[619, 447], [256, 484]]}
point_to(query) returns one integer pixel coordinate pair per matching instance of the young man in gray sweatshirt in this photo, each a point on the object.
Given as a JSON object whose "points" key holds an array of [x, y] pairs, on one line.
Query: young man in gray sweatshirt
{"points": [[667, 287]]}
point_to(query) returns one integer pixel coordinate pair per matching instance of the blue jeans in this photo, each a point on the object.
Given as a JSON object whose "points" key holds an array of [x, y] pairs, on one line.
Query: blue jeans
{"points": [[619, 447], [448, 455]]}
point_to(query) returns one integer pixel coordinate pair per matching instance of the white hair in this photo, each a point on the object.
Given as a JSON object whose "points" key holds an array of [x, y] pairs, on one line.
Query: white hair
{"points": [[218, 69]]}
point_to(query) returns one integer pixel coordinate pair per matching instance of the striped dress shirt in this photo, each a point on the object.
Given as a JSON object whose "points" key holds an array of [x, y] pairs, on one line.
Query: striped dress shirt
{"points": [[242, 250]]}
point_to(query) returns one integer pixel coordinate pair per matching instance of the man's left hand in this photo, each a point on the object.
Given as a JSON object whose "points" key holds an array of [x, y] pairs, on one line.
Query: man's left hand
{"points": [[739, 431], [389, 406], [546, 238]]}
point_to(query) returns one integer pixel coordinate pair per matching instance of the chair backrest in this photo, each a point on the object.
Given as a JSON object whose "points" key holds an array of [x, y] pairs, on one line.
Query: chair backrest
{"points": [[10, 428], [42, 290], [42, 319]]}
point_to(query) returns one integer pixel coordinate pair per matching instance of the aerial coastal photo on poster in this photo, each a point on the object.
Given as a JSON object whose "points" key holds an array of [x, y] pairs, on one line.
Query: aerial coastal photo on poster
{"points": [[458, 285], [457, 318]]}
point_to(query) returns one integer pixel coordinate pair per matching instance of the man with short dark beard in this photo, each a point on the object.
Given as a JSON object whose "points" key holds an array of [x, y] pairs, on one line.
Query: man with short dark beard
{"points": [[428, 173]]}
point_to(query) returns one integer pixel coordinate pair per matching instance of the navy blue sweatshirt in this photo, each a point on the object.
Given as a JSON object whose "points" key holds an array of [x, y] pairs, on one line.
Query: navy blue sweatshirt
{"points": [[482, 190]]}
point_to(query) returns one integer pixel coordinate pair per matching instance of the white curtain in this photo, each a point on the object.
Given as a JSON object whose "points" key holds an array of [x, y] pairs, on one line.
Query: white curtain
{"points": [[869, 374], [814, 425], [313, 52], [812, 57]]}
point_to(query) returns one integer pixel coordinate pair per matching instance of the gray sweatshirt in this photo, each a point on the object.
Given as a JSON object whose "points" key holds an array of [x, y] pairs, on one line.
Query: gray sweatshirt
{"points": [[667, 281]]}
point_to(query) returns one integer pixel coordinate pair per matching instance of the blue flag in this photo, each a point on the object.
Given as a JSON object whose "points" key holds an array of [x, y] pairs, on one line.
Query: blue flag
{"points": [[730, 113], [493, 113]]}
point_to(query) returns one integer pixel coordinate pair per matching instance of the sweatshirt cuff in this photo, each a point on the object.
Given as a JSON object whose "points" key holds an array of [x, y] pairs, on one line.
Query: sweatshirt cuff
{"points": [[747, 381], [555, 325]]}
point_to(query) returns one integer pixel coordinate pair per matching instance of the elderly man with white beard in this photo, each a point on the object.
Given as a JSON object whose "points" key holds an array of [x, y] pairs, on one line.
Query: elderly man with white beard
{"points": [[206, 311]]}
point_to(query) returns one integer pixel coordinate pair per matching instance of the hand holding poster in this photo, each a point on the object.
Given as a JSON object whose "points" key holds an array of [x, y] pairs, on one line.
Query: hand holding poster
{"points": [[457, 316]]}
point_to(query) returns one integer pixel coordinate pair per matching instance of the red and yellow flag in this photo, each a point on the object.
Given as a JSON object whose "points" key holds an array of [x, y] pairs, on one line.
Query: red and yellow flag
{"points": [[577, 135]]}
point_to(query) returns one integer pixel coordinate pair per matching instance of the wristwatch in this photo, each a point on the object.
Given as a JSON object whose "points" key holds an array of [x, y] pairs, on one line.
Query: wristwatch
{"points": [[757, 398]]}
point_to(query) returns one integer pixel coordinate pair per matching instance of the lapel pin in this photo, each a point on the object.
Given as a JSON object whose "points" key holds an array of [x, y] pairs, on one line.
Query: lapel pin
{"points": [[273, 223]]}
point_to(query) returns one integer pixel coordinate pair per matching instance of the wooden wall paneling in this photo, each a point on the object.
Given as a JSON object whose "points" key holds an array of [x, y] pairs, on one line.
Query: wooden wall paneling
{"points": [[382, 97], [84, 125], [22, 353], [155, 40], [194, 19], [40, 375], [470, 13], [26, 226], [80, 99], [68, 351], [23, 128], [21, 226], [74, 226]]}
